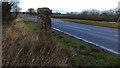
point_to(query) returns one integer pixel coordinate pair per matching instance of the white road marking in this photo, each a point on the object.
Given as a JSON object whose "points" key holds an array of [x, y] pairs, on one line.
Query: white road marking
{"points": [[88, 41], [88, 30], [79, 28], [116, 35]]}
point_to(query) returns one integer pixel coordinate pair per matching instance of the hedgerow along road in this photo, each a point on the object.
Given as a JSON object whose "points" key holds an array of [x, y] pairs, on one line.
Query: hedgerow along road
{"points": [[104, 37]]}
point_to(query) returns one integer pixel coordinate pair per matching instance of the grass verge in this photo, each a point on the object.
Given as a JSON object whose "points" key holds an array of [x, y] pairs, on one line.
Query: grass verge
{"points": [[82, 53], [79, 52], [32, 25], [96, 23]]}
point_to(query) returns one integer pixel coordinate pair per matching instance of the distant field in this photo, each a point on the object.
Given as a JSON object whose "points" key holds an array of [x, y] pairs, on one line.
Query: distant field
{"points": [[96, 23]]}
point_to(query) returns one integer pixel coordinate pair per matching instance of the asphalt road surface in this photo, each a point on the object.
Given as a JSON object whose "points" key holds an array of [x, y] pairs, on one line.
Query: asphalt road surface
{"points": [[106, 38]]}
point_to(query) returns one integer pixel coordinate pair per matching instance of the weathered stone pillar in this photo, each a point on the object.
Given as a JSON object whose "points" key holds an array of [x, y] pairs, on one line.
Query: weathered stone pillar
{"points": [[44, 25]]}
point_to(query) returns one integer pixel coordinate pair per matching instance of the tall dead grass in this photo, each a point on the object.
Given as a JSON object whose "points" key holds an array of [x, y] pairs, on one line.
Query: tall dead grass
{"points": [[21, 48]]}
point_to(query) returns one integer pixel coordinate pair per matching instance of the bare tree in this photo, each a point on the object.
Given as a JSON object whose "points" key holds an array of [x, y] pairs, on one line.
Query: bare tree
{"points": [[31, 11], [6, 8], [85, 12]]}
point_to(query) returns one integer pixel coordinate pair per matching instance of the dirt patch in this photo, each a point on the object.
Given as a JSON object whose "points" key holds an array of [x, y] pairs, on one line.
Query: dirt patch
{"points": [[22, 48]]}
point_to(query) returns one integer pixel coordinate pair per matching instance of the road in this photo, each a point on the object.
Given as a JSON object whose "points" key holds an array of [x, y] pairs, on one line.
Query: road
{"points": [[106, 38]]}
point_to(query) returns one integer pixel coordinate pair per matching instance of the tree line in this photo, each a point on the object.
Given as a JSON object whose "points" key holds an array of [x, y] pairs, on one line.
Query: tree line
{"points": [[112, 15], [109, 15]]}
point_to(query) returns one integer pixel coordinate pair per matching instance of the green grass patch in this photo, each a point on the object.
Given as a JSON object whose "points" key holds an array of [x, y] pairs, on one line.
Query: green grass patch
{"points": [[32, 25], [80, 52], [96, 23]]}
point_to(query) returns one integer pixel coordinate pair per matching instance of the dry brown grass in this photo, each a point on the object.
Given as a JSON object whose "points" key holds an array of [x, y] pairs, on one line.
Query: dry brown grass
{"points": [[22, 48]]}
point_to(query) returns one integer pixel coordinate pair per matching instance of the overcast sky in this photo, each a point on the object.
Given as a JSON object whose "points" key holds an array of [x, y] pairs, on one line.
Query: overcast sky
{"points": [[69, 5]]}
